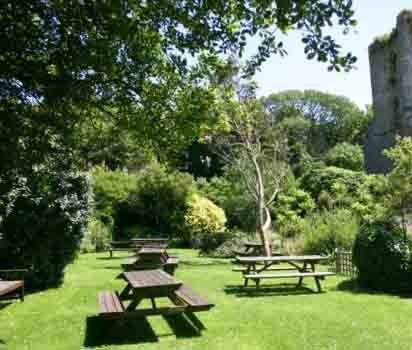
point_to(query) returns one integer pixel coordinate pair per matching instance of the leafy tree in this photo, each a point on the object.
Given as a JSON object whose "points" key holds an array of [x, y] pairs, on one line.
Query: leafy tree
{"points": [[60, 59], [332, 119], [400, 177], [258, 152]]}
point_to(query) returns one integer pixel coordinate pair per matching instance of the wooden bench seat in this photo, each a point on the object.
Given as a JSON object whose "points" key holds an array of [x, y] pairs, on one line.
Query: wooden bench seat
{"points": [[194, 301], [244, 269], [316, 275], [289, 275], [110, 304], [12, 290]]}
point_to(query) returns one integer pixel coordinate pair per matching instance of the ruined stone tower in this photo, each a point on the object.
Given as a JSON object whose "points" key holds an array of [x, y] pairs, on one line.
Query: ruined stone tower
{"points": [[391, 74]]}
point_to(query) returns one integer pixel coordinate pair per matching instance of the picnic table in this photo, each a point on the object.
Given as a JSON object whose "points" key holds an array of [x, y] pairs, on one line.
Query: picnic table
{"points": [[256, 268], [254, 249], [152, 258], [150, 242], [151, 284], [137, 244]]}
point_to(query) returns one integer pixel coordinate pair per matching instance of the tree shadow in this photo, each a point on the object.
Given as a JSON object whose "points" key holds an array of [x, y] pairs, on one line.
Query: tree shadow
{"points": [[4, 304], [184, 326], [204, 263], [352, 286], [101, 331], [114, 257], [284, 289]]}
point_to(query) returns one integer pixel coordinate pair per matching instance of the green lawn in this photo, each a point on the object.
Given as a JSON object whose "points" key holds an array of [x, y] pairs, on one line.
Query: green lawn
{"points": [[62, 318]]}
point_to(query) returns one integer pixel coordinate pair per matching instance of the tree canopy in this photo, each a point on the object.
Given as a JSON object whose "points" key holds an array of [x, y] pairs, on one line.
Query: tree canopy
{"points": [[130, 60]]}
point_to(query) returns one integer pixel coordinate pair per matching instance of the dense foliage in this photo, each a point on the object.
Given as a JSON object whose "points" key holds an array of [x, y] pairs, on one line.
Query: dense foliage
{"points": [[319, 178], [158, 204], [318, 121], [62, 60], [323, 232], [382, 255], [347, 156], [42, 224]]}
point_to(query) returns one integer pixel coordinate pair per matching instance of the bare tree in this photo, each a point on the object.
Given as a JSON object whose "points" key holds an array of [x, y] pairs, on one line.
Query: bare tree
{"points": [[254, 146]]}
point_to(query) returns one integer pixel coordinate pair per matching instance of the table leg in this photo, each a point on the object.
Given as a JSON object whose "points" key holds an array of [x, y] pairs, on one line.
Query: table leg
{"points": [[133, 305], [318, 284], [125, 293], [302, 270], [153, 303]]}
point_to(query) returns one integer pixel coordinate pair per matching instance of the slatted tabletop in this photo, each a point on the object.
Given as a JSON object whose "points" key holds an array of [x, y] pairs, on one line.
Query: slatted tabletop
{"points": [[147, 279], [285, 258]]}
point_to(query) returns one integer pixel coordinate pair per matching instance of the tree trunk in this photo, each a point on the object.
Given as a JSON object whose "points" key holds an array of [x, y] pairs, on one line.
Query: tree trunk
{"points": [[263, 214]]}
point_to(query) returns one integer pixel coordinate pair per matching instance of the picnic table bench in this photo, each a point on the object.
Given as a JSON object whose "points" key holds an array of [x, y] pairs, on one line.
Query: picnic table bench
{"points": [[257, 267], [135, 244], [152, 258], [12, 289], [151, 284]]}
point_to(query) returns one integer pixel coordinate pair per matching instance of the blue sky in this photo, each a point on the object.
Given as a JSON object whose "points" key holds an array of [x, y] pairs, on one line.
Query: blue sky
{"points": [[375, 17]]}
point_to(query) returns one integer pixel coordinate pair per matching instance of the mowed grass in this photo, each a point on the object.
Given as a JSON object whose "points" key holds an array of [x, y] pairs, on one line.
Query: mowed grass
{"points": [[280, 317]]}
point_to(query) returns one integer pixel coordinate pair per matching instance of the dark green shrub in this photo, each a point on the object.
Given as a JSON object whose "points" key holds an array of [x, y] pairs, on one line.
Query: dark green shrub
{"points": [[109, 189], [42, 223], [208, 243], [346, 155], [319, 179], [159, 202], [382, 256], [228, 193]]}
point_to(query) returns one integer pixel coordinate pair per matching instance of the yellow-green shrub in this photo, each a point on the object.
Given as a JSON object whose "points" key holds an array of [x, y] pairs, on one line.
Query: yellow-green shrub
{"points": [[203, 216]]}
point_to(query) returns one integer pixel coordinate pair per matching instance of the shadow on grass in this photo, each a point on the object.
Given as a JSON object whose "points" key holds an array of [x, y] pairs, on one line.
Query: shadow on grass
{"points": [[201, 262], [183, 326], [352, 286], [100, 331], [114, 258], [4, 304], [283, 289]]}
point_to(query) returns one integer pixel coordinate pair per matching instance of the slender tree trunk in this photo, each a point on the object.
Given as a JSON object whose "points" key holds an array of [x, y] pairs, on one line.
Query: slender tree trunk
{"points": [[263, 214]]}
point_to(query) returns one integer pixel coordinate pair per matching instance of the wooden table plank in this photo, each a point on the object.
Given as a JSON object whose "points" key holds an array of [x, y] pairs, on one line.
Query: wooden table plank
{"points": [[286, 258], [150, 279]]}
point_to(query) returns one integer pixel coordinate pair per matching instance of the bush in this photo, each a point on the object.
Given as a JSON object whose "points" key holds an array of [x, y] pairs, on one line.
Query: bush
{"points": [[382, 256], [318, 179], [42, 223], [290, 208], [159, 203], [346, 155], [109, 189], [203, 217], [228, 193], [209, 243], [325, 231]]}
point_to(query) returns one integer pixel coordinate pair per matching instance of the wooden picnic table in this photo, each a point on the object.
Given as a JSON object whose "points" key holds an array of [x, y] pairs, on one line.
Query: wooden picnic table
{"points": [[257, 268], [151, 284], [149, 258]]}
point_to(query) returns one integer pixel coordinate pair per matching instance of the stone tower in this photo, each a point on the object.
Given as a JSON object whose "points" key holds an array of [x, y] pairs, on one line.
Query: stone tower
{"points": [[391, 74]]}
